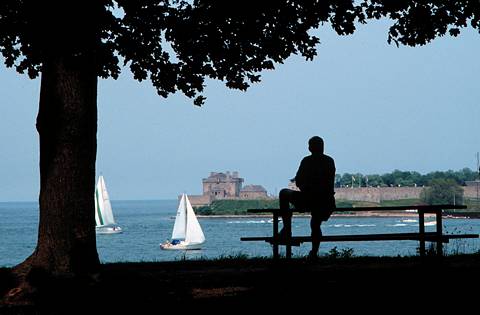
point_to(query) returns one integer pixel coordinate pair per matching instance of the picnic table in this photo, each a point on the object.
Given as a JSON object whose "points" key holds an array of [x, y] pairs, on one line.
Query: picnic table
{"points": [[437, 236]]}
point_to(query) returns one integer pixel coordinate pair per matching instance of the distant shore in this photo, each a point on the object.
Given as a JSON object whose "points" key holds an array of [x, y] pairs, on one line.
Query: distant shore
{"points": [[366, 214]]}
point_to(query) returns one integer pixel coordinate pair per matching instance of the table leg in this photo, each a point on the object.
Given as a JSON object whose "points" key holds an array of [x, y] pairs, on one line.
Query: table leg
{"points": [[421, 227], [438, 215], [275, 235], [288, 250]]}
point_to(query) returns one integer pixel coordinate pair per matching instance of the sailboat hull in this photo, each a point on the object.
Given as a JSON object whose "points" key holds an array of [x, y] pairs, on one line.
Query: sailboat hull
{"points": [[108, 230], [181, 246]]}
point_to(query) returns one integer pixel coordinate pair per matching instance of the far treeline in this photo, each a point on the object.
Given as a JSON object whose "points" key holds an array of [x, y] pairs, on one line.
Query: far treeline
{"points": [[404, 178]]}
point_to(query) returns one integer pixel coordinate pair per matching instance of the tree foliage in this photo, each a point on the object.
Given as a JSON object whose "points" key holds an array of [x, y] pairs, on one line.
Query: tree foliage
{"points": [[442, 191], [419, 22], [176, 44], [404, 178]]}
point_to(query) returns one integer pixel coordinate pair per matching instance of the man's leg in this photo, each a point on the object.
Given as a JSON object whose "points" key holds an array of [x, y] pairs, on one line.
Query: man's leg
{"points": [[320, 213], [285, 197]]}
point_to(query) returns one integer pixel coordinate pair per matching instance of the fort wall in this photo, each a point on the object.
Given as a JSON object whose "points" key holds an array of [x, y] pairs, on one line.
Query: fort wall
{"points": [[471, 191], [377, 194], [199, 200], [253, 195]]}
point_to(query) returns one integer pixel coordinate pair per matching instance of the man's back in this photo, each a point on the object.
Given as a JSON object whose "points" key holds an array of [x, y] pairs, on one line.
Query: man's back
{"points": [[316, 175]]}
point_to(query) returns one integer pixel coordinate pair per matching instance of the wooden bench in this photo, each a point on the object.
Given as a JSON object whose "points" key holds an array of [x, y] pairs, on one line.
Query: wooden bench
{"points": [[421, 236]]}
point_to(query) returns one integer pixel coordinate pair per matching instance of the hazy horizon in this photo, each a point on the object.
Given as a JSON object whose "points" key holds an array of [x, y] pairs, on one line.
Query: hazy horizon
{"points": [[378, 108]]}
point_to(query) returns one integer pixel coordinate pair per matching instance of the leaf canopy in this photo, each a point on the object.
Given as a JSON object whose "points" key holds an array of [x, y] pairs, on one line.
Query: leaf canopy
{"points": [[178, 44]]}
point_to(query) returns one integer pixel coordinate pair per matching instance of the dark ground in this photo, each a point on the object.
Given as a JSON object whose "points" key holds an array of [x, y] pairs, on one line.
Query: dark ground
{"points": [[359, 283]]}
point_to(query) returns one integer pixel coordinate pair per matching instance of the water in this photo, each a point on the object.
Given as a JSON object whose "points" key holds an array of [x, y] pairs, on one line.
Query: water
{"points": [[148, 223]]}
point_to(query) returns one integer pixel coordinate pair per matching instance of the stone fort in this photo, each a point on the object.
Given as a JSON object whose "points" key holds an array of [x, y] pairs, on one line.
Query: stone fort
{"points": [[221, 186]]}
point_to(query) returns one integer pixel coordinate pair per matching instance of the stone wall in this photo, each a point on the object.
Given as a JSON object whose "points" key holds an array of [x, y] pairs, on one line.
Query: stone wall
{"points": [[470, 191], [253, 195], [377, 194], [197, 200], [369, 194]]}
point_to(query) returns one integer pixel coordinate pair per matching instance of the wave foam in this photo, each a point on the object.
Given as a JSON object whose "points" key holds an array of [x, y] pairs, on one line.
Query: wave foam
{"points": [[249, 222], [351, 225]]}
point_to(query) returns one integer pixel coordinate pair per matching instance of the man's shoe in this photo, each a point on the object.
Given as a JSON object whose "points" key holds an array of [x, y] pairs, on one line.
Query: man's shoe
{"points": [[312, 256]]}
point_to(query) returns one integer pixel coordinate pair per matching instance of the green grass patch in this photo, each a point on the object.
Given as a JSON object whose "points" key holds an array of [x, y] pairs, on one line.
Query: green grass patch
{"points": [[236, 207], [473, 204], [401, 202]]}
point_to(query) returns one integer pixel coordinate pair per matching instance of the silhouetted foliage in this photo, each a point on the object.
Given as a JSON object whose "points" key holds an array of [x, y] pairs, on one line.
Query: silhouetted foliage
{"points": [[419, 22], [176, 44]]}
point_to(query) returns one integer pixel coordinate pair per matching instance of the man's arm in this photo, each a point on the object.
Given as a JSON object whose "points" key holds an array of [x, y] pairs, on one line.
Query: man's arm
{"points": [[330, 171], [300, 177]]}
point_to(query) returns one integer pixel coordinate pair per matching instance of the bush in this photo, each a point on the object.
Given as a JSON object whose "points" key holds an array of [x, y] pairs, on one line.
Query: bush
{"points": [[442, 191]]}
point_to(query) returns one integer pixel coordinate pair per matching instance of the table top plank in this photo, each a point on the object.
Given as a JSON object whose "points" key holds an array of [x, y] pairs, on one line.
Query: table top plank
{"points": [[421, 208]]}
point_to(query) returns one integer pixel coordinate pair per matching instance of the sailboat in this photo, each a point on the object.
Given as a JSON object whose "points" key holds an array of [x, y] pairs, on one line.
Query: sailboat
{"points": [[187, 232], [104, 220]]}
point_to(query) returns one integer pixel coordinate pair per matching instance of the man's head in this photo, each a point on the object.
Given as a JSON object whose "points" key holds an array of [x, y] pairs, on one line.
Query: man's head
{"points": [[315, 144]]}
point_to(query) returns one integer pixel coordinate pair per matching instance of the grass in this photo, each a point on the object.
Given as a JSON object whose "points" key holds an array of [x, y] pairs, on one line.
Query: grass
{"points": [[401, 202], [242, 283], [235, 207]]}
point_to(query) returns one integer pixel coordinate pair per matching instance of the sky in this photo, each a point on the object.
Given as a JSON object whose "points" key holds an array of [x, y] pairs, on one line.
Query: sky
{"points": [[378, 107]]}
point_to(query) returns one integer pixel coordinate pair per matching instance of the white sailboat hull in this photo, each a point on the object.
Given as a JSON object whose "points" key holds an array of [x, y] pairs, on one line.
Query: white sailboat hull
{"points": [[181, 246], [108, 230]]}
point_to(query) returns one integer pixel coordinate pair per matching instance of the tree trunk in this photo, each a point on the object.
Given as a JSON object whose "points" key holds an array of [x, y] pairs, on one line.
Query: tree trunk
{"points": [[67, 126]]}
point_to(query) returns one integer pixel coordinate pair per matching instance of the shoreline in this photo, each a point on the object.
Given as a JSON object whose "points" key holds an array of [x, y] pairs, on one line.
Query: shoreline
{"points": [[368, 214]]}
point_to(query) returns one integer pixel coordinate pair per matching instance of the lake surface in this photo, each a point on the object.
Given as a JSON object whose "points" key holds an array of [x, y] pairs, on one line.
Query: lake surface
{"points": [[148, 223]]}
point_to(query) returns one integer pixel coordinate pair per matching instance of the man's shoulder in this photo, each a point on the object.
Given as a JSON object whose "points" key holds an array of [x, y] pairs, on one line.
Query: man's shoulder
{"points": [[316, 157], [329, 158]]}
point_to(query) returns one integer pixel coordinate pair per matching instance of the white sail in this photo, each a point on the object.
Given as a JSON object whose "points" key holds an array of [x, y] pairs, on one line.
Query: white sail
{"points": [[103, 207], [194, 232], [179, 228], [103, 213], [187, 233]]}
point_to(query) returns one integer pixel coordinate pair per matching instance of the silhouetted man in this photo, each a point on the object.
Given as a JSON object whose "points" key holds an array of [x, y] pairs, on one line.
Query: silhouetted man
{"points": [[315, 178]]}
